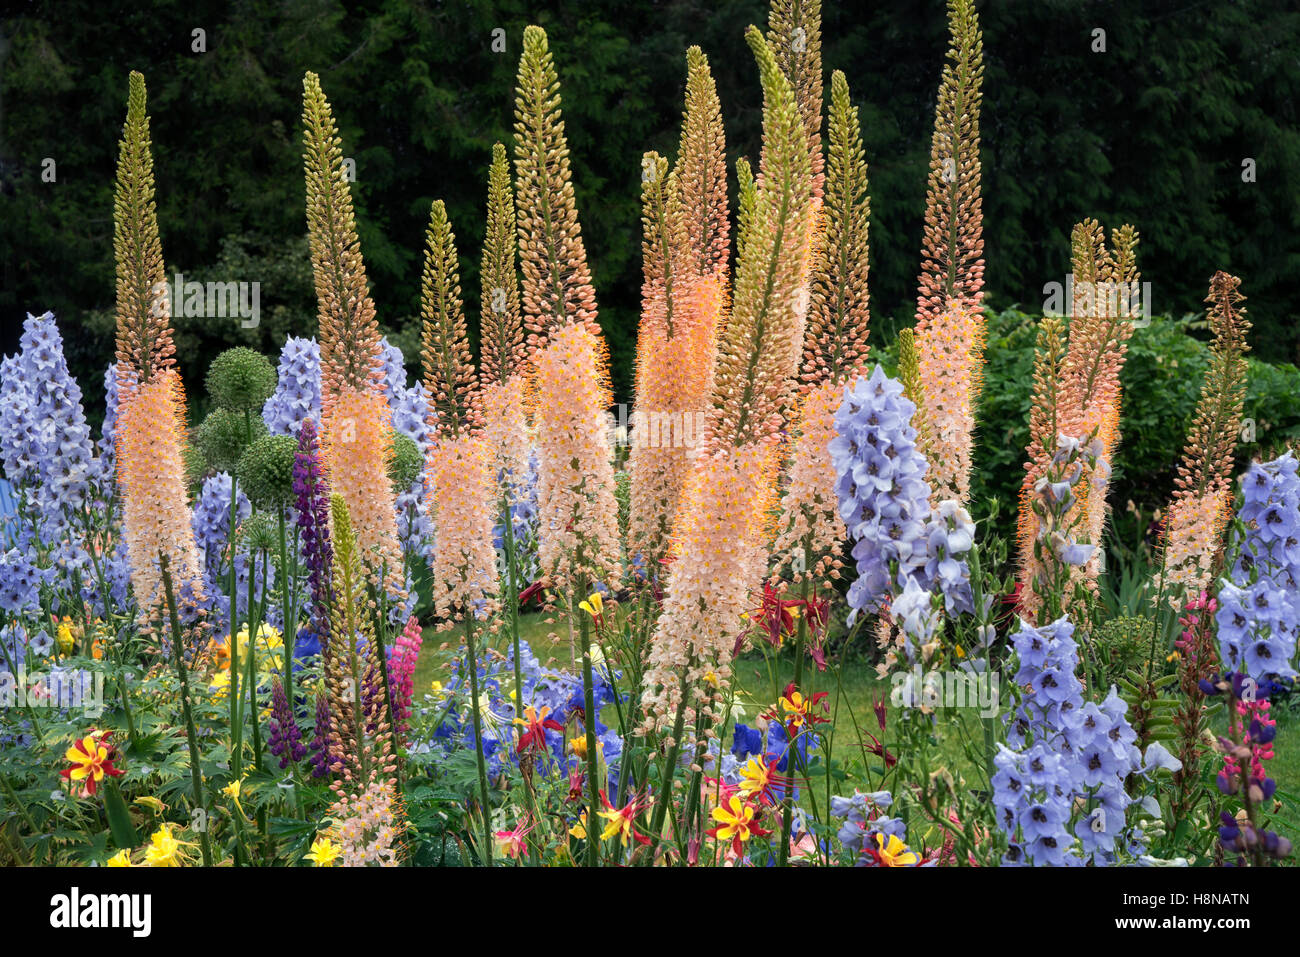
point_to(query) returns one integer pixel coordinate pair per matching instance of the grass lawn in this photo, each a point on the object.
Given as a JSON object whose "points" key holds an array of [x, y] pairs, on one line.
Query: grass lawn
{"points": [[851, 696]]}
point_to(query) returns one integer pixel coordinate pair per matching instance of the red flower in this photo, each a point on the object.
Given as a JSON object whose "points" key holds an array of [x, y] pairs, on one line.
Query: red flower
{"points": [[880, 750], [92, 759], [531, 592], [535, 726], [795, 710]]}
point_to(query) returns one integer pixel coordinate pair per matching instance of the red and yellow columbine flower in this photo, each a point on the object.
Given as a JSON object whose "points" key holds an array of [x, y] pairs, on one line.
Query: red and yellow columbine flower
{"points": [[622, 821], [595, 607], [737, 823], [759, 779], [891, 852], [797, 710], [535, 723], [92, 758]]}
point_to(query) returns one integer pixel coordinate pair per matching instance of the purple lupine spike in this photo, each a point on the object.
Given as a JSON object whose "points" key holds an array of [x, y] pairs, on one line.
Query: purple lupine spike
{"points": [[320, 746], [285, 740], [312, 500]]}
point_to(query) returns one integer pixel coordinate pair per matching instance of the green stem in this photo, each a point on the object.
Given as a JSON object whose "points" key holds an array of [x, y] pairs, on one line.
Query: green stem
{"points": [[196, 769], [512, 594], [472, 662], [792, 752], [593, 770]]}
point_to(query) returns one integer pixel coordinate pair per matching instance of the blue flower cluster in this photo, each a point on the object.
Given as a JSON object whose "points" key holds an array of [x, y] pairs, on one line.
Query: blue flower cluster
{"points": [[1259, 608], [20, 583], [524, 516], [1080, 754], [45, 443], [1033, 794], [297, 389], [559, 691], [903, 551], [862, 818]]}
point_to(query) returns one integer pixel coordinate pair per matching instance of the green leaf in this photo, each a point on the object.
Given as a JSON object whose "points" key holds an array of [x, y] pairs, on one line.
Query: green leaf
{"points": [[119, 817]]}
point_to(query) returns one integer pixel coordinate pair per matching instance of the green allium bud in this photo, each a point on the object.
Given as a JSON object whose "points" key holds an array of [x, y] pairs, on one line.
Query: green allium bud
{"points": [[257, 533], [241, 380], [265, 470], [407, 464], [223, 436]]}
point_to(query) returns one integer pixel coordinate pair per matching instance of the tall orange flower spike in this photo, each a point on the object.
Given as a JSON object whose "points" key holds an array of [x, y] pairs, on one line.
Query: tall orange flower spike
{"points": [[721, 529], [151, 473], [810, 529], [949, 323], [675, 350], [356, 421], [794, 31], [144, 334], [349, 332], [557, 289], [449, 374], [1202, 501], [577, 511], [952, 263], [502, 334], [701, 172], [1085, 382], [151, 423], [460, 479], [760, 347]]}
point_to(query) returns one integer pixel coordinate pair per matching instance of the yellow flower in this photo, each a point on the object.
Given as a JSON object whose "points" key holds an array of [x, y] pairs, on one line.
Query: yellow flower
{"points": [[735, 821], [324, 852], [755, 778], [711, 678], [578, 745], [593, 606], [120, 859], [232, 790], [894, 853], [164, 850], [65, 637], [579, 829]]}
